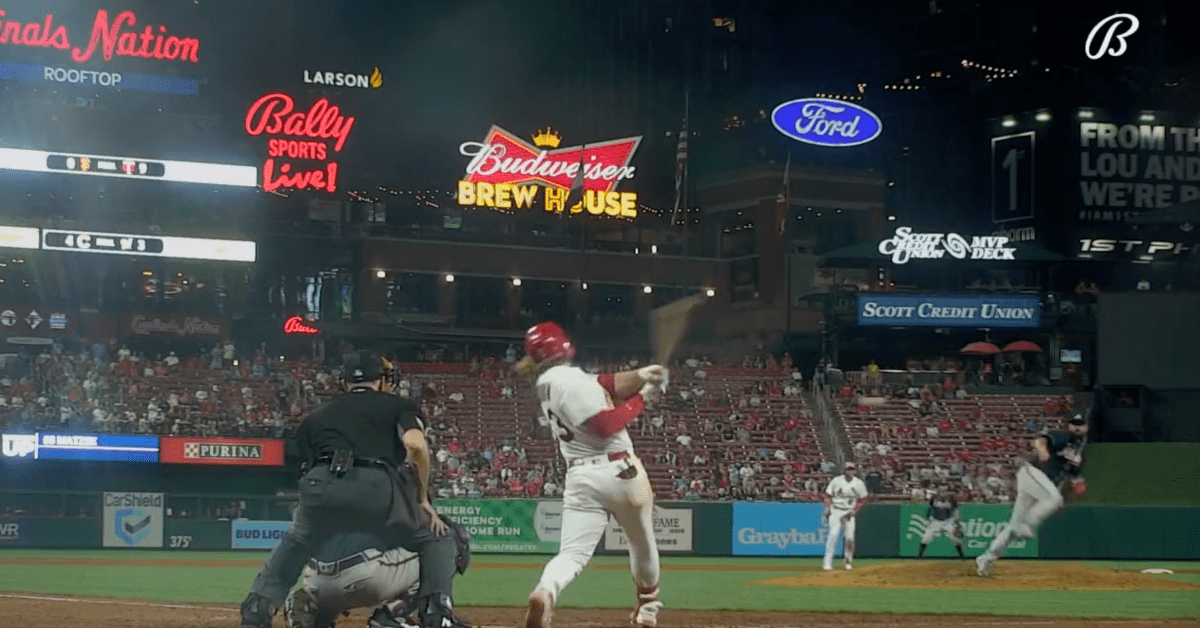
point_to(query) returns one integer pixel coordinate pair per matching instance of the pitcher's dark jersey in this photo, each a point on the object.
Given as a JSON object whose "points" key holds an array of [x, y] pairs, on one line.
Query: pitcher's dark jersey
{"points": [[1063, 447]]}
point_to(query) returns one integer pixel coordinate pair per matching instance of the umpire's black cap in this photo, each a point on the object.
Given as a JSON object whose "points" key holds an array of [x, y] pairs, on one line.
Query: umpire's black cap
{"points": [[362, 366]]}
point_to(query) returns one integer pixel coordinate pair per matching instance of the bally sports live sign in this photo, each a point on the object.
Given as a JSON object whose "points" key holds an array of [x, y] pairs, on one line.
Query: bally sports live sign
{"points": [[926, 310]]}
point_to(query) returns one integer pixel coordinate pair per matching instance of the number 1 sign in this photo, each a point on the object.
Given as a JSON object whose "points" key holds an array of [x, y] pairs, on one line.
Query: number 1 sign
{"points": [[1012, 177]]}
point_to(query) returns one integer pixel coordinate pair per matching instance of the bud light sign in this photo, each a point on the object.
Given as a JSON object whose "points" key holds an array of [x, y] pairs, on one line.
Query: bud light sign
{"points": [[260, 535], [826, 122]]}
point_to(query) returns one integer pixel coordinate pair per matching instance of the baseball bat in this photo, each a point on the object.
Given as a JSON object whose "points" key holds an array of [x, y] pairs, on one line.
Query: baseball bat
{"points": [[668, 325]]}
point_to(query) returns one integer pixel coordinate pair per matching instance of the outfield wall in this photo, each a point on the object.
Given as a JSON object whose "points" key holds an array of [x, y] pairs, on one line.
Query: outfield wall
{"points": [[138, 520]]}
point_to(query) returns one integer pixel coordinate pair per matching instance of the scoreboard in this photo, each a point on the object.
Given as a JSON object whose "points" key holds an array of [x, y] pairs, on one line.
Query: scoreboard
{"points": [[128, 244], [128, 167]]}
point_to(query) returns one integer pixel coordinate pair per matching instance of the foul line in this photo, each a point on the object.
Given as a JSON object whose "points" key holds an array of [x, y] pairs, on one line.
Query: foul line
{"points": [[898, 622]]}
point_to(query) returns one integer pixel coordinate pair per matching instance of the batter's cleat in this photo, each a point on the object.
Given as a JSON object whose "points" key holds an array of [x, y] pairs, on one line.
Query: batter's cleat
{"points": [[645, 615], [983, 566], [538, 614], [257, 612]]}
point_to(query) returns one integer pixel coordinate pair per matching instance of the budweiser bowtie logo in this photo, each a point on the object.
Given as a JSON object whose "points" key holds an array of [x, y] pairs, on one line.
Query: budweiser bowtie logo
{"points": [[505, 158]]}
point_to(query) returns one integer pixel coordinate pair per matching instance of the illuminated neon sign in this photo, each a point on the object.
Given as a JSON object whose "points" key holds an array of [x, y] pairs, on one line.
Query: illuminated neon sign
{"points": [[1128, 22], [906, 245], [826, 122], [115, 37], [506, 172], [295, 325], [322, 130]]}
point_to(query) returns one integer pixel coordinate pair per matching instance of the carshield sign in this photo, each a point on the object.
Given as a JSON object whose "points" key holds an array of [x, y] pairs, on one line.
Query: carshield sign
{"points": [[133, 520]]}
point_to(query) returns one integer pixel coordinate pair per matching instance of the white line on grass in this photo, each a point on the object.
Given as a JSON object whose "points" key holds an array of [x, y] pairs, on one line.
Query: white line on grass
{"points": [[898, 622]]}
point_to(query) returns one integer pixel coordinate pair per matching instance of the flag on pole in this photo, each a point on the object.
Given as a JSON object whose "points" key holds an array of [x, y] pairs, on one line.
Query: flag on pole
{"points": [[681, 155], [784, 200]]}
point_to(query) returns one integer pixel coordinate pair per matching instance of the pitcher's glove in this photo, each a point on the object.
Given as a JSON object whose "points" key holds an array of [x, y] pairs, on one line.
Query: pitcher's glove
{"points": [[1078, 486]]}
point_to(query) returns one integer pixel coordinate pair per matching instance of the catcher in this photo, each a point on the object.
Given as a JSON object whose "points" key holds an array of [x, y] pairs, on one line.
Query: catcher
{"points": [[357, 570], [1055, 464], [942, 518]]}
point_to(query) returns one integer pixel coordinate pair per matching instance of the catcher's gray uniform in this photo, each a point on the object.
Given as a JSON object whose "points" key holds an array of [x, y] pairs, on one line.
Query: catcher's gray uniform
{"points": [[364, 576], [942, 519]]}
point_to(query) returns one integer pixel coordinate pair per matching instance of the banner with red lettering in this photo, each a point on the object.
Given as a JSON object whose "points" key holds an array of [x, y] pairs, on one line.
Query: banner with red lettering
{"points": [[221, 451], [176, 326]]}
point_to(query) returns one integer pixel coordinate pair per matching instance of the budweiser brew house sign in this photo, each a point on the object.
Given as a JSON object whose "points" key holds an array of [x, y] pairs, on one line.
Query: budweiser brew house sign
{"points": [[112, 35], [302, 144], [506, 172]]}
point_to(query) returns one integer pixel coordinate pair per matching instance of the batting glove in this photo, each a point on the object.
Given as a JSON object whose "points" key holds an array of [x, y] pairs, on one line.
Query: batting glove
{"points": [[653, 374]]}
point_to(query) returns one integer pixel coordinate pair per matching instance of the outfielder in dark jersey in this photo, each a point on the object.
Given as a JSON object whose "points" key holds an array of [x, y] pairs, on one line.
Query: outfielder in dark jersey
{"points": [[1057, 460], [942, 518]]}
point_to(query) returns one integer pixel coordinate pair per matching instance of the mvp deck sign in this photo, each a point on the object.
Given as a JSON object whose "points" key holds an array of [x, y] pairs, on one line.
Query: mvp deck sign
{"points": [[506, 172], [906, 245]]}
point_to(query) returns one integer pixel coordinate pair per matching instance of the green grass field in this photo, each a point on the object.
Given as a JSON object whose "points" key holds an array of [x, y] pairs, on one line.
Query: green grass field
{"points": [[688, 583]]}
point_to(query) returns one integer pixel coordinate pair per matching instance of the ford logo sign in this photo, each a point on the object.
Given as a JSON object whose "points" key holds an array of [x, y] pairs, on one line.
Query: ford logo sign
{"points": [[826, 122]]}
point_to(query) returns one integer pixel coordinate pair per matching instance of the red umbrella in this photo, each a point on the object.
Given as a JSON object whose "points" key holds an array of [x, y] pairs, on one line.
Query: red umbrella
{"points": [[980, 348], [1022, 346]]}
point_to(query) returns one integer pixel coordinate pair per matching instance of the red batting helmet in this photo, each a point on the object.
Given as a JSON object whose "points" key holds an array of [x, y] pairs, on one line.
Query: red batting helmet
{"points": [[548, 341]]}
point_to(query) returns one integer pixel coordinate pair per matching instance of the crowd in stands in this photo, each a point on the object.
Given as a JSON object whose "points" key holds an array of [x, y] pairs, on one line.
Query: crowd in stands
{"points": [[725, 432]]}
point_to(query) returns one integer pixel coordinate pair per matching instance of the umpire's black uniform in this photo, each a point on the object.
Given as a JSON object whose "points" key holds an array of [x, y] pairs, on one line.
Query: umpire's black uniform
{"points": [[356, 480]]}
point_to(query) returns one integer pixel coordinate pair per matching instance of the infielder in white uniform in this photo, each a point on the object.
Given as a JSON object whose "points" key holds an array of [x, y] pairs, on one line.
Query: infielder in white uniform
{"points": [[844, 497], [588, 415]]}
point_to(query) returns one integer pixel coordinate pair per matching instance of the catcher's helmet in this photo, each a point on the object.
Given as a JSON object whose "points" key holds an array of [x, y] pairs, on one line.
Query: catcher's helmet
{"points": [[548, 341], [365, 366]]}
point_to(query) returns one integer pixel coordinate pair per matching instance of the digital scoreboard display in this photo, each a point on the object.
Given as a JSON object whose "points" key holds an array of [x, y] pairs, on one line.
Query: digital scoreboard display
{"points": [[102, 447], [127, 167], [128, 244]]}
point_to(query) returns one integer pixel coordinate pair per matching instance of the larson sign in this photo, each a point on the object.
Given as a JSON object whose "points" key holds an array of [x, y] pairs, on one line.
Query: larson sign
{"points": [[506, 172], [109, 37], [312, 135]]}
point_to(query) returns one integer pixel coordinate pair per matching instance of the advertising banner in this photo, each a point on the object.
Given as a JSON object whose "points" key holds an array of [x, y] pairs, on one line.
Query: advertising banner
{"points": [[780, 530], [176, 326], [103, 447], [672, 531], [980, 523], [221, 451], [932, 310], [14, 532], [263, 535], [133, 520], [513, 526], [26, 320]]}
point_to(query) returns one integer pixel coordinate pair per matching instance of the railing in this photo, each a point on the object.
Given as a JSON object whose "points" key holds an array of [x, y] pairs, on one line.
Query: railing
{"points": [[832, 431]]}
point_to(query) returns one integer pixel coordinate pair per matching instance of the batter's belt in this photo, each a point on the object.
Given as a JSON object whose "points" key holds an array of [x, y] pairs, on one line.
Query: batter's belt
{"points": [[601, 459]]}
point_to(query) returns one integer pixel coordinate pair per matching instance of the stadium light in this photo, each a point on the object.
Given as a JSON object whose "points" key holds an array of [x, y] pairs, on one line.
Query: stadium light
{"points": [[517, 281], [379, 274], [710, 292], [449, 278], [647, 289]]}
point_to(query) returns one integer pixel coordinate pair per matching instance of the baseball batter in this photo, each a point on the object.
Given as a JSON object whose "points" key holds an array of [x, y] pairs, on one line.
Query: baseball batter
{"points": [[1057, 459], [588, 415], [942, 518], [356, 570], [844, 497]]}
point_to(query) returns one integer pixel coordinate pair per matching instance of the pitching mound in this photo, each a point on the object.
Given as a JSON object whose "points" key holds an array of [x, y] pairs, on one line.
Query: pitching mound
{"points": [[944, 574]]}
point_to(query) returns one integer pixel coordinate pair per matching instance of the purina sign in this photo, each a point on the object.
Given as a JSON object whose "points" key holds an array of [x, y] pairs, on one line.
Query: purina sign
{"points": [[826, 122], [906, 245]]}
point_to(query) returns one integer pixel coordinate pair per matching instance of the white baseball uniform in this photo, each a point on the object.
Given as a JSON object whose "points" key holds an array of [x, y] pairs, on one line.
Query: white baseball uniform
{"points": [[844, 495], [380, 577], [603, 476]]}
